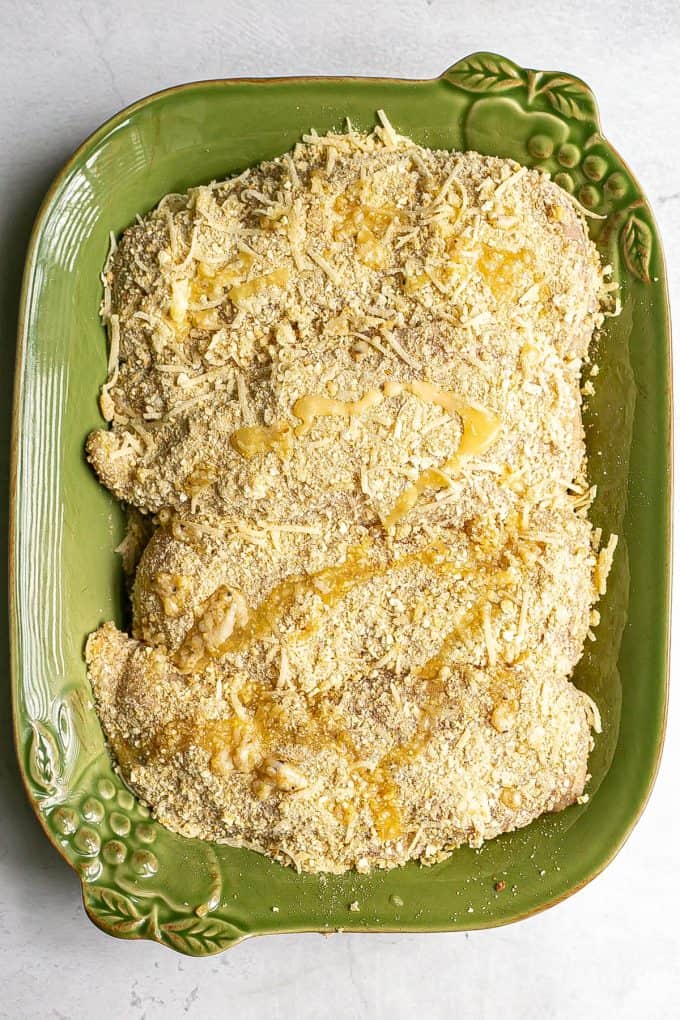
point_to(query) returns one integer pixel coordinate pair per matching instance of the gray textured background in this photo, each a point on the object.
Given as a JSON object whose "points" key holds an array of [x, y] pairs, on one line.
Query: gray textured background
{"points": [[613, 949]]}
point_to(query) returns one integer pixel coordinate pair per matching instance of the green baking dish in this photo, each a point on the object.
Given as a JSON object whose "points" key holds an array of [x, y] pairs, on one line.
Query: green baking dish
{"points": [[139, 880]]}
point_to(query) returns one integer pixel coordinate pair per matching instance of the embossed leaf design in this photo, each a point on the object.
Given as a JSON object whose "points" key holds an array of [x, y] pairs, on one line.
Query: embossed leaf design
{"points": [[80, 719], [199, 934], [64, 725], [570, 97], [44, 757], [486, 73], [115, 911], [636, 241]]}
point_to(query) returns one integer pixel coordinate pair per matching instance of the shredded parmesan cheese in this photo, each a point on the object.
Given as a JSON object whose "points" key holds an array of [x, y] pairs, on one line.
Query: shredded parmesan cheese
{"points": [[604, 563]]}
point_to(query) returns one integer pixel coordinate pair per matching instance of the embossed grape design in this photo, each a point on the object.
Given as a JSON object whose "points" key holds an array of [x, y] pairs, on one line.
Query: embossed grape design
{"points": [[101, 834], [581, 173]]}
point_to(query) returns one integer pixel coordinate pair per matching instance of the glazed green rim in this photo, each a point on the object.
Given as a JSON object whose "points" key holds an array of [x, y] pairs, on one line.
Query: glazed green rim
{"points": [[479, 78]]}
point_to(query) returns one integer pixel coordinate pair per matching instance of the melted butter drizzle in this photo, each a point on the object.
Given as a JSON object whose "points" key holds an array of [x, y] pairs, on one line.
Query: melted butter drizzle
{"points": [[310, 407], [480, 429], [366, 224], [253, 440], [330, 584], [242, 291]]}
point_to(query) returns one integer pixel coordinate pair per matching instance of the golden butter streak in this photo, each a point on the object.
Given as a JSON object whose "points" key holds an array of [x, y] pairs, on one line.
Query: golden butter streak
{"points": [[277, 278], [310, 407], [256, 439], [431, 478], [501, 268], [229, 274], [480, 429], [366, 224], [331, 585]]}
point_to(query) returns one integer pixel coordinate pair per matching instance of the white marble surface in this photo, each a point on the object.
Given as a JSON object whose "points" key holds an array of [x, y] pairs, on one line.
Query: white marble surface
{"points": [[614, 949]]}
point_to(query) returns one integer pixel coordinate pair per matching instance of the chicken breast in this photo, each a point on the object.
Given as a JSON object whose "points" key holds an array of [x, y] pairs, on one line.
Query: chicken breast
{"points": [[345, 389]]}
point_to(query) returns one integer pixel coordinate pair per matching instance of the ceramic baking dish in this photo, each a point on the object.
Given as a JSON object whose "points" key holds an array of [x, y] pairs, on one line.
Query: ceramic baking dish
{"points": [[140, 880]]}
